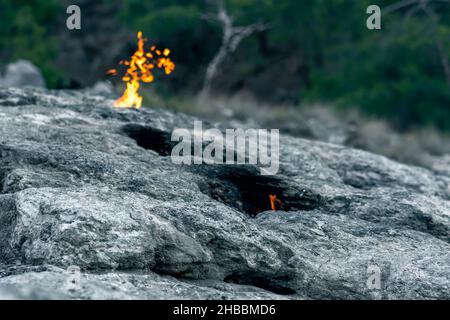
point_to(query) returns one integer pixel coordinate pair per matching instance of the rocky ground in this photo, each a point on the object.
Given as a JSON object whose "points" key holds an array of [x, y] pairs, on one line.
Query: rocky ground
{"points": [[90, 186]]}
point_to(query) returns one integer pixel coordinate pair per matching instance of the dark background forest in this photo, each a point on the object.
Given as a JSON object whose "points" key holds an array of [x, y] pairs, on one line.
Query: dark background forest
{"points": [[312, 51]]}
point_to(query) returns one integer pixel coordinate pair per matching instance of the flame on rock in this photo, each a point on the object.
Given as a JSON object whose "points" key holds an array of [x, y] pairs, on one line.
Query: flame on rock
{"points": [[139, 69], [274, 201]]}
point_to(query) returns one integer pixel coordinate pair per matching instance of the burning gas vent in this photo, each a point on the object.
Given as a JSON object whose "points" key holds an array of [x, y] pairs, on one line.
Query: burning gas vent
{"points": [[140, 68], [244, 189]]}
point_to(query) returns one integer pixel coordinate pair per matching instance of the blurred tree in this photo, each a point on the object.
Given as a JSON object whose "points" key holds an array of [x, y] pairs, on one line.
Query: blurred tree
{"points": [[231, 38], [26, 33], [315, 50]]}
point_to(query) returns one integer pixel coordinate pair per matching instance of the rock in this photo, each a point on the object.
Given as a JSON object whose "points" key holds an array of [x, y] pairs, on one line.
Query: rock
{"points": [[441, 164], [101, 88], [55, 283], [88, 185], [22, 73]]}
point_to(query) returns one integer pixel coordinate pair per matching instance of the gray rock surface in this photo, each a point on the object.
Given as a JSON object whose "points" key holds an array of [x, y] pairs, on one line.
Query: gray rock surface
{"points": [[87, 185], [22, 73], [54, 283]]}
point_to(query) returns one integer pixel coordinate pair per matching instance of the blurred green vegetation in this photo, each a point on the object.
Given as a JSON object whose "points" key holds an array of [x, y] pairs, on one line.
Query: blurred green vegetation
{"points": [[27, 32], [395, 73]]}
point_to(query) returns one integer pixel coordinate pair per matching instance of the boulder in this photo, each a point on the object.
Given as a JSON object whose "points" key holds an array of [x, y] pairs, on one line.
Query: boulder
{"points": [[22, 73], [87, 185]]}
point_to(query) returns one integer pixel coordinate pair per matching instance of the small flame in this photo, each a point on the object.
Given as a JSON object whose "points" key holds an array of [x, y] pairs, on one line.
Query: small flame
{"points": [[140, 68], [274, 201], [111, 72]]}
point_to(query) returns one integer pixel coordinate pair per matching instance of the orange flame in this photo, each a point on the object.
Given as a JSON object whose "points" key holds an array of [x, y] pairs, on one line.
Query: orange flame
{"points": [[140, 68], [274, 201], [111, 72]]}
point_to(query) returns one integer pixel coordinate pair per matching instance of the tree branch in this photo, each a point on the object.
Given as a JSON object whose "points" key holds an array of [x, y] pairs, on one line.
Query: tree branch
{"points": [[231, 38]]}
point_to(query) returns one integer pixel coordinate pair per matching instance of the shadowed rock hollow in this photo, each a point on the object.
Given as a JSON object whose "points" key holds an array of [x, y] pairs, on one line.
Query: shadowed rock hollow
{"points": [[84, 184]]}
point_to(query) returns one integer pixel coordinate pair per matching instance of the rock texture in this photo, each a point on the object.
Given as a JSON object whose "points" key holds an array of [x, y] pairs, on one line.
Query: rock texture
{"points": [[22, 73], [87, 185]]}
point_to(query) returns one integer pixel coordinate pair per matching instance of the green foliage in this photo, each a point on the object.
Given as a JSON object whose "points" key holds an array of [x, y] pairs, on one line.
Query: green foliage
{"points": [[395, 73], [25, 34]]}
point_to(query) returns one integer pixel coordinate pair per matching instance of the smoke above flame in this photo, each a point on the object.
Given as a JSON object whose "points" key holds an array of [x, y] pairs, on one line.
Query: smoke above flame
{"points": [[140, 68]]}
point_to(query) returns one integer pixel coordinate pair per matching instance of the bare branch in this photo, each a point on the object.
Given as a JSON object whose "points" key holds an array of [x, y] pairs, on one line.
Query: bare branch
{"points": [[399, 5], [244, 32], [406, 3]]}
